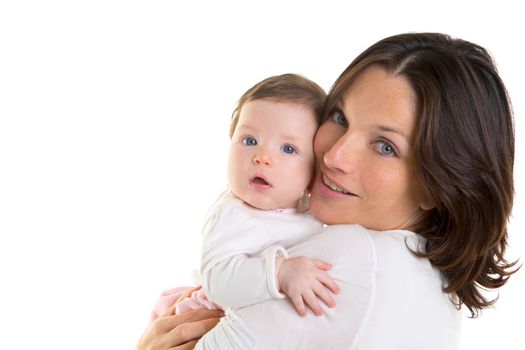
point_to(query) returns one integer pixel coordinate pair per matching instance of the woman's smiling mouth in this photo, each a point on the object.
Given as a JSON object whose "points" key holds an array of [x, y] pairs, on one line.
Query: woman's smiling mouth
{"points": [[335, 187]]}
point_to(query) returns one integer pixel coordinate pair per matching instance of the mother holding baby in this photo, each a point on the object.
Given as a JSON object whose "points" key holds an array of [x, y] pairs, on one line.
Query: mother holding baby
{"points": [[417, 148]]}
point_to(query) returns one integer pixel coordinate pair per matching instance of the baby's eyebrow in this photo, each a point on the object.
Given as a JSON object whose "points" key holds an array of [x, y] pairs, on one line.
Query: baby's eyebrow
{"points": [[291, 138], [244, 126], [297, 140]]}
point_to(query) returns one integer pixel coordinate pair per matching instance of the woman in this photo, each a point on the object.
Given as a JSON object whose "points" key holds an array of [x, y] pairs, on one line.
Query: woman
{"points": [[417, 148]]}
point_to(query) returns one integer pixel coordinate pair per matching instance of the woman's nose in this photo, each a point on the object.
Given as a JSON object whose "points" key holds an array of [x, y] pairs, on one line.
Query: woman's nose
{"points": [[341, 155], [261, 158]]}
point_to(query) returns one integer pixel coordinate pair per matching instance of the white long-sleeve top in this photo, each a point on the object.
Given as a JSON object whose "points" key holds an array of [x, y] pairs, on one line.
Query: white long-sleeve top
{"points": [[239, 247], [389, 299]]}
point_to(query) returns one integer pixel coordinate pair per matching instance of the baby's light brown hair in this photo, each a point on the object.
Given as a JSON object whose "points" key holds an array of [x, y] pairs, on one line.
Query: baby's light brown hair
{"points": [[288, 87]]}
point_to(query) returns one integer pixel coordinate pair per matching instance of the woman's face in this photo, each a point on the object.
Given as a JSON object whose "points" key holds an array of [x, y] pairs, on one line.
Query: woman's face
{"points": [[365, 173]]}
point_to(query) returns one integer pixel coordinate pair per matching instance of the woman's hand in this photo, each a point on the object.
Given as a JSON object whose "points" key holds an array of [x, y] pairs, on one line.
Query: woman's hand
{"points": [[178, 331]]}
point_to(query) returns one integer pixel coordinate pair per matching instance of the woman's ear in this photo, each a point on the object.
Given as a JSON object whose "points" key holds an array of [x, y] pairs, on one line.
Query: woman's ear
{"points": [[427, 204]]}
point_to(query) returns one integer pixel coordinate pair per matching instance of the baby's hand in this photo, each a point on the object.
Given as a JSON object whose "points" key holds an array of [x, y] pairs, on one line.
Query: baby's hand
{"points": [[305, 280]]}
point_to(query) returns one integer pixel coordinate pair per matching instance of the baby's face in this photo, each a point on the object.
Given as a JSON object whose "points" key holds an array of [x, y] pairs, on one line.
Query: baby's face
{"points": [[271, 157]]}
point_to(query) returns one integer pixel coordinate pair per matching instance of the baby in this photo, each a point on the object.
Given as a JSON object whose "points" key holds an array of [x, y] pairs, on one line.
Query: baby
{"points": [[247, 230]]}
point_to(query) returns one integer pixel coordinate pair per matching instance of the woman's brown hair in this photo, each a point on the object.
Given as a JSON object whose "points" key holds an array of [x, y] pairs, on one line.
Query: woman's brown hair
{"points": [[464, 152]]}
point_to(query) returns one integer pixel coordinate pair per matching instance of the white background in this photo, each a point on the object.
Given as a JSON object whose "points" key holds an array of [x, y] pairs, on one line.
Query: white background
{"points": [[114, 120]]}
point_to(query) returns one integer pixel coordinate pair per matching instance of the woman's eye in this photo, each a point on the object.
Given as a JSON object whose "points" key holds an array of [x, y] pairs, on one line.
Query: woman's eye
{"points": [[339, 118], [386, 148], [249, 141], [288, 149]]}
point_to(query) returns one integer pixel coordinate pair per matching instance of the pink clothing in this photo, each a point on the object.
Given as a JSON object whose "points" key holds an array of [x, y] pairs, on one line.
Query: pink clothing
{"points": [[197, 300], [166, 300]]}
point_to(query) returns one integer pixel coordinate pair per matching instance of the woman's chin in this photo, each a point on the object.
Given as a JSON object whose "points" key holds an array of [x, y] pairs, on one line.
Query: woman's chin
{"points": [[325, 213]]}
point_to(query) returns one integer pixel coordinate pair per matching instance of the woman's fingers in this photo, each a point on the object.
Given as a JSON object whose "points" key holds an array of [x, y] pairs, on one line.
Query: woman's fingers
{"points": [[167, 324], [171, 310], [173, 332], [190, 331], [188, 346], [195, 315]]}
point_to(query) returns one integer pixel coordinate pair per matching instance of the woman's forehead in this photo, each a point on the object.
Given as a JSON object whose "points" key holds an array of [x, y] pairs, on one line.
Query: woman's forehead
{"points": [[381, 98]]}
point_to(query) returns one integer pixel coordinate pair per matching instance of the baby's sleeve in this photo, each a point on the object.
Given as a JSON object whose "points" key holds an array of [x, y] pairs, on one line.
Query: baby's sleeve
{"points": [[234, 272]]}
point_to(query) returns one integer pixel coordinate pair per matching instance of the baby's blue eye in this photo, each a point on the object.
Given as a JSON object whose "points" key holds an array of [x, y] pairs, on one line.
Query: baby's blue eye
{"points": [[288, 149], [249, 141]]}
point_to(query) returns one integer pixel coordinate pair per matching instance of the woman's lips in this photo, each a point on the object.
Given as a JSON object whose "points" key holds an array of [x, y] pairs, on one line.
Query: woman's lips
{"points": [[334, 187]]}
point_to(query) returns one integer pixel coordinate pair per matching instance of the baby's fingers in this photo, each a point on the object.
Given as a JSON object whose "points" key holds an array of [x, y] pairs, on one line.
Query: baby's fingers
{"points": [[323, 265], [329, 282], [310, 299], [299, 305], [325, 295]]}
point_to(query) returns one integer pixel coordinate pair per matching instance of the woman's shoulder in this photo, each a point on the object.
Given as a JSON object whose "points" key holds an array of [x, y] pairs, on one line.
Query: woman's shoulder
{"points": [[349, 246], [339, 238], [354, 240], [383, 253]]}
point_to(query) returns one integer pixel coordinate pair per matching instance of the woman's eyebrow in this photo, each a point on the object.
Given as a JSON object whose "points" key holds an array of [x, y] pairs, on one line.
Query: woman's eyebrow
{"points": [[385, 128], [340, 105]]}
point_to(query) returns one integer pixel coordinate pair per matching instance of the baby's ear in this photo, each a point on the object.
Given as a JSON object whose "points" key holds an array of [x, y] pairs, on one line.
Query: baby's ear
{"points": [[304, 202]]}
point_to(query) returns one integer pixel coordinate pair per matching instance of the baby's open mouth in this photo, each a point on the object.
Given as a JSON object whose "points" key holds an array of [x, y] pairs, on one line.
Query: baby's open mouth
{"points": [[257, 180]]}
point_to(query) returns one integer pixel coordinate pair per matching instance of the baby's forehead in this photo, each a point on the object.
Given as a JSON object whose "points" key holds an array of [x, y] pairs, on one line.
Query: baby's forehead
{"points": [[277, 117], [284, 130], [279, 108]]}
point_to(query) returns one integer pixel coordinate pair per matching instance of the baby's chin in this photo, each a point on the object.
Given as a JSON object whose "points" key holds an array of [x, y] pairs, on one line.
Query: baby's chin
{"points": [[270, 205], [263, 201], [261, 205]]}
